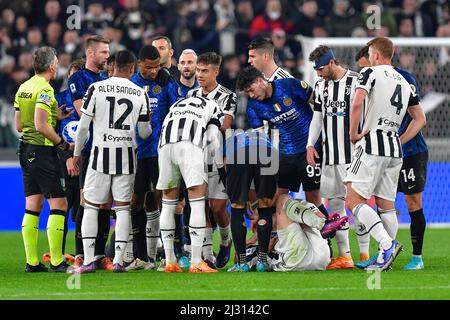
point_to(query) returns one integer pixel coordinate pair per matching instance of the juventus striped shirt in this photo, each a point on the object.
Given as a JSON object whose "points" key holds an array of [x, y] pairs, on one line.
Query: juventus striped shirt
{"points": [[333, 100], [188, 119], [389, 95], [115, 106]]}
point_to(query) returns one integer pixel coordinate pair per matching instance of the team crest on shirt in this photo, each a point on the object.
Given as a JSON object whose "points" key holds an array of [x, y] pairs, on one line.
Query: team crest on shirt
{"points": [[73, 89], [287, 102], [348, 90], [277, 107], [304, 84], [156, 89]]}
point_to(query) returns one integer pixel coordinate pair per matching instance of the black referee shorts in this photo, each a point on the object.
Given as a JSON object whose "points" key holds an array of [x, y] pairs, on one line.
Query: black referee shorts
{"points": [[413, 174], [240, 177], [41, 171], [147, 174], [295, 171]]}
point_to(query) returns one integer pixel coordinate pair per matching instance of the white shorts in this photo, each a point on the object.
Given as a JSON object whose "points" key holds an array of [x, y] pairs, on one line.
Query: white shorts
{"points": [[301, 249], [98, 185], [181, 159], [216, 189], [332, 181], [374, 175]]}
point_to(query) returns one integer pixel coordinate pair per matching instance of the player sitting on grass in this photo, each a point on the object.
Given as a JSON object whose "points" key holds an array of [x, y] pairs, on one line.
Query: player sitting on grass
{"points": [[301, 229]]}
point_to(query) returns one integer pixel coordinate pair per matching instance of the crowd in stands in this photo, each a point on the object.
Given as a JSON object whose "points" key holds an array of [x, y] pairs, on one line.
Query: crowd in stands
{"points": [[224, 26]]}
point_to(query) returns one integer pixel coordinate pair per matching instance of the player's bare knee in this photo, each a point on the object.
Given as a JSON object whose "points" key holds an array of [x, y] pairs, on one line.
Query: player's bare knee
{"points": [[264, 203], [150, 203], [414, 202], [281, 201], [137, 201], [238, 205]]}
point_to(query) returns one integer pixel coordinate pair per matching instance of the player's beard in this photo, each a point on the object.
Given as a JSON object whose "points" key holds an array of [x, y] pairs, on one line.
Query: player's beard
{"points": [[189, 76], [101, 66]]}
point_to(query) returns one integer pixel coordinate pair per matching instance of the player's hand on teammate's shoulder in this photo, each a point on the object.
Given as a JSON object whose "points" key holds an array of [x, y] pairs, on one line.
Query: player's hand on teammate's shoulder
{"points": [[163, 77], [311, 155], [63, 113]]}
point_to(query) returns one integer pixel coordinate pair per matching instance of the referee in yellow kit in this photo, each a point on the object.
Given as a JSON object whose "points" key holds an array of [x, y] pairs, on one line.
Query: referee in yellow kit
{"points": [[35, 117]]}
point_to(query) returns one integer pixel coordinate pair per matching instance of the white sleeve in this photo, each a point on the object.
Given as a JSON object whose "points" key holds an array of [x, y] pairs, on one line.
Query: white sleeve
{"points": [[144, 127], [315, 128], [82, 132], [88, 106]]}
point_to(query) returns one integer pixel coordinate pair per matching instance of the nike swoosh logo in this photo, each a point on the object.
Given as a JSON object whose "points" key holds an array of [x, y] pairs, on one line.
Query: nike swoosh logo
{"points": [[411, 187], [31, 160]]}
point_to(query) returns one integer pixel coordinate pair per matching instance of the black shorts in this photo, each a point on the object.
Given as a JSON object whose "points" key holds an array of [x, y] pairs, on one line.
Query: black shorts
{"points": [[240, 177], [295, 171], [413, 174], [41, 171], [83, 165], [147, 174]]}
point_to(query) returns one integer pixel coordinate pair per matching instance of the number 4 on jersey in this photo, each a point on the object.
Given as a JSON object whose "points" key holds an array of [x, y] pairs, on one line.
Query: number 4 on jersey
{"points": [[396, 99]]}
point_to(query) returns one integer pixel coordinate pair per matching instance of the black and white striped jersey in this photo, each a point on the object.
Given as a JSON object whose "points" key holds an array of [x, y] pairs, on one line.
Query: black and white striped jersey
{"points": [[389, 95], [225, 98], [115, 105], [279, 74], [188, 119], [333, 100]]}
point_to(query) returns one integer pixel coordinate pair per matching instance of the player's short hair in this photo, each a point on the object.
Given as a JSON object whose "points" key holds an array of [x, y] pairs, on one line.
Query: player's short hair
{"points": [[124, 59], [262, 44], [383, 45], [148, 52], [362, 53], [247, 77], [189, 51], [77, 64], [111, 59], [211, 58], [322, 51], [169, 42], [92, 41], [43, 57]]}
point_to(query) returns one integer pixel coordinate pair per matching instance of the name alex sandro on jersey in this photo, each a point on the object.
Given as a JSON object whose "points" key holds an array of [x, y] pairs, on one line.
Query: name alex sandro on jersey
{"points": [[119, 89]]}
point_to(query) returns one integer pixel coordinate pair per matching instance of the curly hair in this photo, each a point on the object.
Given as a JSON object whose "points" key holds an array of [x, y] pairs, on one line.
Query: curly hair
{"points": [[247, 77]]}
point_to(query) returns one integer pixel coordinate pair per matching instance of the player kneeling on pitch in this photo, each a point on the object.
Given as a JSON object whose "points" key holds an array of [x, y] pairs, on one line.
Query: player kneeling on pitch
{"points": [[301, 229], [115, 106]]}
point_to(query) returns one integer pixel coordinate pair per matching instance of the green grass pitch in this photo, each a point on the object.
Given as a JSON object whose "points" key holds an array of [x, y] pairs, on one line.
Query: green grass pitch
{"points": [[431, 283]]}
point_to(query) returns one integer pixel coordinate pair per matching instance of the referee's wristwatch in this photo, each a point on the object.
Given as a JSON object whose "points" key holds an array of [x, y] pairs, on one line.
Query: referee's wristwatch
{"points": [[62, 145]]}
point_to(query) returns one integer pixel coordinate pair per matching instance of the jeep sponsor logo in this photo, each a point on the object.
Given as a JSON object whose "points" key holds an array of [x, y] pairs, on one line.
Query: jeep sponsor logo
{"points": [[387, 122], [108, 137], [336, 104]]}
